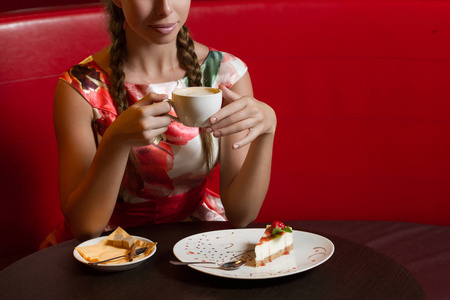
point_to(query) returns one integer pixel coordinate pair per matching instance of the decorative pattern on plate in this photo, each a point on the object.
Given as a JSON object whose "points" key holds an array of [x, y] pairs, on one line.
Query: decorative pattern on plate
{"points": [[310, 250]]}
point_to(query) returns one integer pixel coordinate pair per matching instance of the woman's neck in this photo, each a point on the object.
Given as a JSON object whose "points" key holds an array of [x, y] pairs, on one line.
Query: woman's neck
{"points": [[152, 63]]}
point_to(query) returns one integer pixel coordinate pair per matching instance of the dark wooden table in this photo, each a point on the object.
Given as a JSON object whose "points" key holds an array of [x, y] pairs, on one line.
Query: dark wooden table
{"points": [[372, 260]]}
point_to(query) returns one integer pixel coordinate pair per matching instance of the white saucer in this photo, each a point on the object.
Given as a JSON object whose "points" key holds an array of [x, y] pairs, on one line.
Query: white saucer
{"points": [[112, 267]]}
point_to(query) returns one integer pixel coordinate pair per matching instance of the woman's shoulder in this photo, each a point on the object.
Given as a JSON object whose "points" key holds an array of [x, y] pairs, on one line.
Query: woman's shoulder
{"points": [[221, 67], [202, 51], [90, 80], [92, 64], [97, 60], [205, 53], [85, 74], [101, 58]]}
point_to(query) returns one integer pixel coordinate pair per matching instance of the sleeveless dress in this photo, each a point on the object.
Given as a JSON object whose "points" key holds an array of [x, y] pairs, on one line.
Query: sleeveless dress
{"points": [[164, 182]]}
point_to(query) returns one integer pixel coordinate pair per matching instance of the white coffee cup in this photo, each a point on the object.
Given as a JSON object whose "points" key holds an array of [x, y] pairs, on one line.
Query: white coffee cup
{"points": [[194, 105]]}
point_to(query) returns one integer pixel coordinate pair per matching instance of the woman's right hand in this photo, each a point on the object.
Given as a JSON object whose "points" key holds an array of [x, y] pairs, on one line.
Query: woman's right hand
{"points": [[141, 123]]}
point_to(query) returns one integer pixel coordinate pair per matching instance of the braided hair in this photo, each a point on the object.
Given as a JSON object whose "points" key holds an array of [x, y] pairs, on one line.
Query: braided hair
{"points": [[118, 54], [188, 57]]}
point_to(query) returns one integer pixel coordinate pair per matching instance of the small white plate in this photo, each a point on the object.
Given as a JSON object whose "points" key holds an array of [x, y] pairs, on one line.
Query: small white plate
{"points": [[310, 250], [112, 267]]}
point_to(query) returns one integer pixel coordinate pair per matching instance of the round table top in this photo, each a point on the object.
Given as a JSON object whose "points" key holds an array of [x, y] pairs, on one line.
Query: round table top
{"points": [[372, 260]]}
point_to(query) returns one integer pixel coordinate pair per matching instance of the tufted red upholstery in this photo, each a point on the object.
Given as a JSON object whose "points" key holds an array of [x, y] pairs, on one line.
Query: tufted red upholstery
{"points": [[361, 91], [31, 4], [35, 48]]}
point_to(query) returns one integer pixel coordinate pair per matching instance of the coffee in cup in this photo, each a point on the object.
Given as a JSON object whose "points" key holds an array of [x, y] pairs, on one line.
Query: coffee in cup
{"points": [[195, 105]]}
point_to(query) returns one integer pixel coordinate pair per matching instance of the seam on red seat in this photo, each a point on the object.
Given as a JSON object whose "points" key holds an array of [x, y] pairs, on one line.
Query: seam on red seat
{"points": [[30, 78]]}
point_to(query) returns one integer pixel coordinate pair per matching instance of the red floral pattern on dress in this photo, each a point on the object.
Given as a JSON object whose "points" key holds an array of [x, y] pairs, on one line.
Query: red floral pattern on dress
{"points": [[152, 172]]}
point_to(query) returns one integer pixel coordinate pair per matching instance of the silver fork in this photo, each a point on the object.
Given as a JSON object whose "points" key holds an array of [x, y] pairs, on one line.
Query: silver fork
{"points": [[230, 265], [138, 252]]}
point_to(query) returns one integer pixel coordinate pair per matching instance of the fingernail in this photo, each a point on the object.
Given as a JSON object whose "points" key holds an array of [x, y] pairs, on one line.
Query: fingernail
{"points": [[208, 130], [235, 146], [213, 120], [216, 134]]}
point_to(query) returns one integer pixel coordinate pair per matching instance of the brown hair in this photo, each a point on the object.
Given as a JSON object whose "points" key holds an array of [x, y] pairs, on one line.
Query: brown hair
{"points": [[118, 54]]}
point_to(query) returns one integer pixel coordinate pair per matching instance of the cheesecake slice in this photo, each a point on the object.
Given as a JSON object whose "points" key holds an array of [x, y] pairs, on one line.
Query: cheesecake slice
{"points": [[277, 241]]}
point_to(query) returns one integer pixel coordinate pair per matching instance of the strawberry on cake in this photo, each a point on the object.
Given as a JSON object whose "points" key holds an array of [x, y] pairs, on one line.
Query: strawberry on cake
{"points": [[277, 240]]}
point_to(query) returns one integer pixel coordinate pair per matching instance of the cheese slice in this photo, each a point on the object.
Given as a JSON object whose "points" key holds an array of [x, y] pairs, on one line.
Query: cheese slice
{"points": [[105, 249]]}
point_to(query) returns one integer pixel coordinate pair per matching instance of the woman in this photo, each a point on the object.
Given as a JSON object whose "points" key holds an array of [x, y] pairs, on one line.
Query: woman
{"points": [[109, 113]]}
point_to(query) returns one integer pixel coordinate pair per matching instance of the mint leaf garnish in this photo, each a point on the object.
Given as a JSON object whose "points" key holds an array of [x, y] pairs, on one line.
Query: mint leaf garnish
{"points": [[287, 229], [278, 230]]}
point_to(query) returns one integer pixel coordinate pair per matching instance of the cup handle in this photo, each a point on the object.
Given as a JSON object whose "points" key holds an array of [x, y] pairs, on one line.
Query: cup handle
{"points": [[162, 137], [170, 116], [174, 118]]}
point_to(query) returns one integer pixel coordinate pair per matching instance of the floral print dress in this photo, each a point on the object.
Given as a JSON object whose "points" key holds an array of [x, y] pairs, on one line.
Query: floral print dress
{"points": [[164, 182]]}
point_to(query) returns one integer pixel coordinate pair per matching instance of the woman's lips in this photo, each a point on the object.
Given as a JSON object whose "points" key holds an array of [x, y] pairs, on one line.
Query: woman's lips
{"points": [[164, 28]]}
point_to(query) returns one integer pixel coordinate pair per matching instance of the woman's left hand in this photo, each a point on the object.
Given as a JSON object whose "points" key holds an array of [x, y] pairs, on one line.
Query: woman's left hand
{"points": [[242, 113]]}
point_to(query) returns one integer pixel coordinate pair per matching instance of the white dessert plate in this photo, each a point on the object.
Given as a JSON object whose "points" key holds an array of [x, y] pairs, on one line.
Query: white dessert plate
{"points": [[310, 250], [112, 267]]}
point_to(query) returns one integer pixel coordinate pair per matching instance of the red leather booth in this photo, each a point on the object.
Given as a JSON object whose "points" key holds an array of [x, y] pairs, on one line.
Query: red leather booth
{"points": [[361, 90]]}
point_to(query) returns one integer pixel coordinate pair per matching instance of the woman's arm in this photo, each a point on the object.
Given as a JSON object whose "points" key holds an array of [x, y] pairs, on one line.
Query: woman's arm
{"points": [[247, 129], [90, 178]]}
